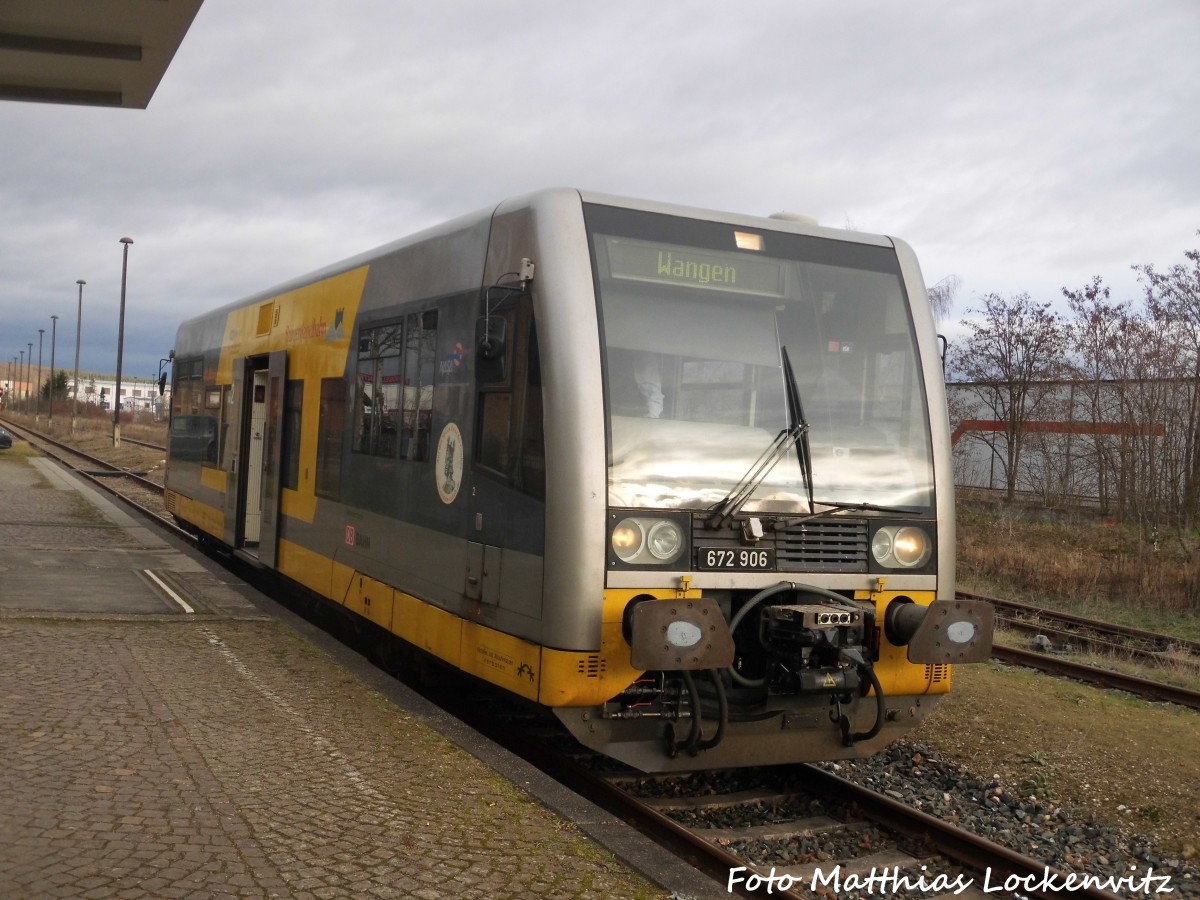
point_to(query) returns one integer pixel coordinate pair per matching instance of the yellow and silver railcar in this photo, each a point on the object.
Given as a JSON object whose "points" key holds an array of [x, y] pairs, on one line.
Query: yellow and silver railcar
{"points": [[683, 477]]}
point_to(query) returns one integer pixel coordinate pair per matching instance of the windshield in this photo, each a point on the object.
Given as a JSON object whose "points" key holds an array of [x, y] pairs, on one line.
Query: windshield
{"points": [[694, 315]]}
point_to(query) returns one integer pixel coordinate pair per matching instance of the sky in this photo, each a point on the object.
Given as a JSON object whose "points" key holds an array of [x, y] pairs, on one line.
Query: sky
{"points": [[1019, 147]]}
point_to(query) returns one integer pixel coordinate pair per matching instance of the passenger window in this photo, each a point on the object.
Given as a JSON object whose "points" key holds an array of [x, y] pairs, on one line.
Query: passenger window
{"points": [[420, 351], [193, 426], [393, 400], [377, 390], [511, 438]]}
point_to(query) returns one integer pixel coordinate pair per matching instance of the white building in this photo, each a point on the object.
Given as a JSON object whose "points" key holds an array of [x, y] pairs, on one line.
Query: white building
{"points": [[136, 393]]}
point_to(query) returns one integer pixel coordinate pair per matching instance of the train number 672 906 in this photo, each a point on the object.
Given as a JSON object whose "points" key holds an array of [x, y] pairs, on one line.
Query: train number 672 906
{"points": [[742, 558]]}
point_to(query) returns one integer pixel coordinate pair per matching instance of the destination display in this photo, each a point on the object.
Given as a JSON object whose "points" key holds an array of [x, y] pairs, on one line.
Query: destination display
{"points": [[739, 273]]}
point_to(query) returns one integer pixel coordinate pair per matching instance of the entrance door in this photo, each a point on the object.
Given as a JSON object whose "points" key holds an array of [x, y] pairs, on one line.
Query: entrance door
{"points": [[252, 503]]}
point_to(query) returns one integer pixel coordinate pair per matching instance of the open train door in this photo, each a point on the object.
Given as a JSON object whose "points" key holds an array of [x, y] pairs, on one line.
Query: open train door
{"points": [[252, 502]]}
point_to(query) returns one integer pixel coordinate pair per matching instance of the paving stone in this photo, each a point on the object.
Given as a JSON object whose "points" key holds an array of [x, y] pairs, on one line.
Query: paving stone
{"points": [[161, 755]]}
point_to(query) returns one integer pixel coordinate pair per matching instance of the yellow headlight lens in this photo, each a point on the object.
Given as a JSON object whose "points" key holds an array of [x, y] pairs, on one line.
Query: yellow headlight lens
{"points": [[901, 546], [627, 540], [911, 547]]}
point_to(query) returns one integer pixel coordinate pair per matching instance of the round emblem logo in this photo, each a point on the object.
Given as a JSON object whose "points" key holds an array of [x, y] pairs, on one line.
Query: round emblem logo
{"points": [[448, 465]]}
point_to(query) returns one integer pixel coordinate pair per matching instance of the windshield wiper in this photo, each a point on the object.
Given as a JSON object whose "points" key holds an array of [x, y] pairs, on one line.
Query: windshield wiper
{"points": [[795, 435], [796, 413], [781, 524]]}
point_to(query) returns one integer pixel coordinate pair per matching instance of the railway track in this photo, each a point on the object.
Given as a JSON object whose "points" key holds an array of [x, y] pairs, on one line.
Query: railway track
{"points": [[793, 831], [148, 444], [1079, 633], [1065, 634]]}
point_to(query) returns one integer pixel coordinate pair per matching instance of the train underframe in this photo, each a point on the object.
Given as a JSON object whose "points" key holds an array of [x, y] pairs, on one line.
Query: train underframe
{"points": [[795, 674]]}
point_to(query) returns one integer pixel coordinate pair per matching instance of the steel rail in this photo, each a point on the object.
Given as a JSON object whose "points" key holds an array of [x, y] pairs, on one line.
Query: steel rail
{"points": [[957, 843], [1106, 678], [109, 468], [129, 440], [1126, 631]]}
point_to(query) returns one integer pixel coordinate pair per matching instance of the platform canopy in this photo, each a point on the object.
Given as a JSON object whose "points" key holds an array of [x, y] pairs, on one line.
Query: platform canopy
{"points": [[89, 52]]}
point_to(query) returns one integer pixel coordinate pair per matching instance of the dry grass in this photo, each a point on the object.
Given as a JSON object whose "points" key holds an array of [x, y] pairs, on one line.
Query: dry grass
{"points": [[1096, 568], [1125, 760]]}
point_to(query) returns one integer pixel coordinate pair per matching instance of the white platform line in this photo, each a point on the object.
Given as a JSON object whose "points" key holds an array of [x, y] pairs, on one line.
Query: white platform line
{"points": [[174, 596]]}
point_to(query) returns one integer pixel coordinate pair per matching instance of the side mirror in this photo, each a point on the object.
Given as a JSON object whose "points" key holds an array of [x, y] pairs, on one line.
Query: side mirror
{"points": [[162, 383], [491, 349]]}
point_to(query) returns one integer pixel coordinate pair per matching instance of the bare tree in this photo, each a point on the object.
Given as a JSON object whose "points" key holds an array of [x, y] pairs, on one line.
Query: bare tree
{"points": [[1093, 337], [1174, 297], [941, 296], [1011, 362]]}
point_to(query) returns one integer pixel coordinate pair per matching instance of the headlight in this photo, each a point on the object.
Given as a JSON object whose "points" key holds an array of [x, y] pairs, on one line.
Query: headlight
{"points": [[901, 547], [647, 541], [664, 541], [881, 545], [628, 539], [911, 547]]}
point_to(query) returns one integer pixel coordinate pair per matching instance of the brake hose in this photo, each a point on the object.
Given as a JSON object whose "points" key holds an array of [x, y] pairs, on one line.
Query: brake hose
{"points": [[880, 709]]}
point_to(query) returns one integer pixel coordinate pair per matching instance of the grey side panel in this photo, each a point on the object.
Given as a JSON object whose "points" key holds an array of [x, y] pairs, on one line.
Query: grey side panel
{"points": [[939, 424], [565, 307]]}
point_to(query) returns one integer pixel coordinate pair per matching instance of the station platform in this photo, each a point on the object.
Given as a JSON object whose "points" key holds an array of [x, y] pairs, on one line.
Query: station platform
{"points": [[169, 732]]}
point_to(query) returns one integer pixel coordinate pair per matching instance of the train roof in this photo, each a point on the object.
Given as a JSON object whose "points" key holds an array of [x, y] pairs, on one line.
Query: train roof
{"points": [[778, 223]]}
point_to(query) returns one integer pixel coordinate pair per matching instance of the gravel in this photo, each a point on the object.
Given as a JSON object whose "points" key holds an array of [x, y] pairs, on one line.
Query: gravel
{"points": [[912, 773], [1064, 840]]}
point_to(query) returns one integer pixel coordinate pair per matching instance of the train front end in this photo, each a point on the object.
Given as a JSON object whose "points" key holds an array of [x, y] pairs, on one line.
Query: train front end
{"points": [[779, 520]]}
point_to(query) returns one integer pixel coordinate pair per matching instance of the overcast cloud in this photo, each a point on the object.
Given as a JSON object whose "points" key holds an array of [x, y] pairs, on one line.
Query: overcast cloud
{"points": [[1021, 147]]}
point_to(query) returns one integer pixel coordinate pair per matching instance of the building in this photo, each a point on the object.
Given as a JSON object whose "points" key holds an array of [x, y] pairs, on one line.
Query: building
{"points": [[137, 394], [1108, 443]]}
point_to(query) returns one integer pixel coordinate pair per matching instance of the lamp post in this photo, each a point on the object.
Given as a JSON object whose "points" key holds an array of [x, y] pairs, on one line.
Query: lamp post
{"points": [[21, 371], [28, 366], [50, 393], [120, 345], [78, 331], [37, 397]]}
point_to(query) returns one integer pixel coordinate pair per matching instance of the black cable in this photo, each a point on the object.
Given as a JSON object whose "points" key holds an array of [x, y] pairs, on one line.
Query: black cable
{"points": [[723, 714]]}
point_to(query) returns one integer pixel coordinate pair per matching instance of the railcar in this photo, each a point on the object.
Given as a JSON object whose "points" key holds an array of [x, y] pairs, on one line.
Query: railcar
{"points": [[682, 477]]}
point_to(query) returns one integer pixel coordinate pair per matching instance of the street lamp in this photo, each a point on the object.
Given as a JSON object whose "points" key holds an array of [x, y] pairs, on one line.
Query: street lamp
{"points": [[21, 372], [78, 331], [37, 397], [120, 345], [28, 365], [53, 334]]}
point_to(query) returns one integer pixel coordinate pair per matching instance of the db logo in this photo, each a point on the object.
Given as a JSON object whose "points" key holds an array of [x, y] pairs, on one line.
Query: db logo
{"points": [[350, 535]]}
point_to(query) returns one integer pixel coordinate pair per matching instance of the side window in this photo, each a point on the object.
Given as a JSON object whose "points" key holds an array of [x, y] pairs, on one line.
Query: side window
{"points": [[331, 427], [193, 424], [420, 350], [393, 395], [293, 403], [213, 422], [377, 389], [186, 392], [511, 438]]}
